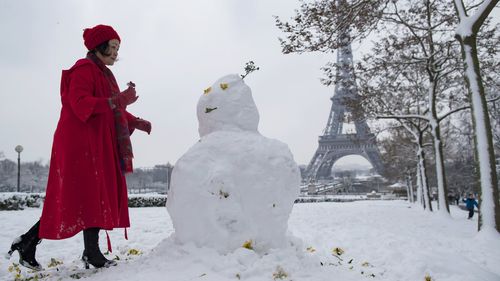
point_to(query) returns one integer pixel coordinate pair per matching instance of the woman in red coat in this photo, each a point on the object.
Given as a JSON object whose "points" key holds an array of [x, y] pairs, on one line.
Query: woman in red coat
{"points": [[91, 152]]}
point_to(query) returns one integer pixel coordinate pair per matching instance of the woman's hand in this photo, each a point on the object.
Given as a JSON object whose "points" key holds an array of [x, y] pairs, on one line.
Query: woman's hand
{"points": [[142, 125], [129, 96]]}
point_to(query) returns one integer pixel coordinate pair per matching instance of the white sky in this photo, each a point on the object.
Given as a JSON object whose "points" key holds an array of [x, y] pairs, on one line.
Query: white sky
{"points": [[172, 52]]}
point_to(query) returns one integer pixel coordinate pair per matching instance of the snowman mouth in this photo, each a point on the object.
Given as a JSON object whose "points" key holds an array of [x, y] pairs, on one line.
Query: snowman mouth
{"points": [[208, 109]]}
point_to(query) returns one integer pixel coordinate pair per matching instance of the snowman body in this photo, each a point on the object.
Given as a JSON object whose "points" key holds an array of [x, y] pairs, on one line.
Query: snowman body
{"points": [[234, 187]]}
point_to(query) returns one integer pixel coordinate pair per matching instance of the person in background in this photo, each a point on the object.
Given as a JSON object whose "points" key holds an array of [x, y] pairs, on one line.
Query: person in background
{"points": [[470, 202], [91, 152]]}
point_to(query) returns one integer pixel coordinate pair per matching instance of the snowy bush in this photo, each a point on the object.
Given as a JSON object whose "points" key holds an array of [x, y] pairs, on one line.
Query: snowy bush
{"points": [[146, 200], [317, 199], [18, 201], [11, 201]]}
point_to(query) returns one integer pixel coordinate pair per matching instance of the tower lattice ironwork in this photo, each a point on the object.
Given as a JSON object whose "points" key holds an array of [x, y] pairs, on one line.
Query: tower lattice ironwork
{"points": [[337, 141]]}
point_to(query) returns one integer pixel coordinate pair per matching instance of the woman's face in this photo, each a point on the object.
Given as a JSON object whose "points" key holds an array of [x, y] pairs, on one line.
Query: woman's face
{"points": [[112, 52]]}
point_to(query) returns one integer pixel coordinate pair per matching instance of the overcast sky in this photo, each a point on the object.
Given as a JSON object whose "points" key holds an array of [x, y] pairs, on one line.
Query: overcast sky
{"points": [[172, 52]]}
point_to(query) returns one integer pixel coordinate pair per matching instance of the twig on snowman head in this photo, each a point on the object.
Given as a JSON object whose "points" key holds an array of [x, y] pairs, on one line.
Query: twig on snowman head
{"points": [[249, 68]]}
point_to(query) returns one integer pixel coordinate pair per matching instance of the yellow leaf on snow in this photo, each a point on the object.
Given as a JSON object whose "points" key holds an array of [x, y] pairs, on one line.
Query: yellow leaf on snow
{"points": [[338, 251], [248, 245], [224, 86], [134, 252]]}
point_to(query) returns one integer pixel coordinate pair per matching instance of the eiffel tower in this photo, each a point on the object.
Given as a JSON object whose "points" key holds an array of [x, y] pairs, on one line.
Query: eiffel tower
{"points": [[338, 140]]}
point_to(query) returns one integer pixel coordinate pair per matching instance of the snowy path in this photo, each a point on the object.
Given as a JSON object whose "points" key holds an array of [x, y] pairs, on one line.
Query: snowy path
{"points": [[386, 240]]}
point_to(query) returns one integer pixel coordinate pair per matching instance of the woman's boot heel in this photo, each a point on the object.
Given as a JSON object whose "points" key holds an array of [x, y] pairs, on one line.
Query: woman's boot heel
{"points": [[9, 253], [85, 261]]}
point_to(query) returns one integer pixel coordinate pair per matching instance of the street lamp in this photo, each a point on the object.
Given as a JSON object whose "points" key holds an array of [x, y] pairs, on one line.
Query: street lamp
{"points": [[19, 149]]}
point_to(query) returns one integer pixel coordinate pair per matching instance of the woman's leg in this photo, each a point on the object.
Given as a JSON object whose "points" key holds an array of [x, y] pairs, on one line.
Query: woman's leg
{"points": [[25, 245], [92, 254]]}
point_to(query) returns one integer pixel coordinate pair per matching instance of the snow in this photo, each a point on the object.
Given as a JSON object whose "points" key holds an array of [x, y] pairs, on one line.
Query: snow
{"points": [[397, 185], [393, 240], [230, 107], [218, 198], [234, 187]]}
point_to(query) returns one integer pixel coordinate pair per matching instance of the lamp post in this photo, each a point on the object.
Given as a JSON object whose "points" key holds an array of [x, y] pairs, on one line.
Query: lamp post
{"points": [[19, 149]]}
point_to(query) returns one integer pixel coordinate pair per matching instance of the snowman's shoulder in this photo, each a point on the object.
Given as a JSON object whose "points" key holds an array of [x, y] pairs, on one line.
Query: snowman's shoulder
{"points": [[275, 143]]}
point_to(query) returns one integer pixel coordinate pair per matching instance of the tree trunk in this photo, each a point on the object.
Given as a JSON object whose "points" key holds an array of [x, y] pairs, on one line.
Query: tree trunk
{"points": [[443, 203], [443, 206], [409, 185], [425, 183], [489, 215], [420, 198]]}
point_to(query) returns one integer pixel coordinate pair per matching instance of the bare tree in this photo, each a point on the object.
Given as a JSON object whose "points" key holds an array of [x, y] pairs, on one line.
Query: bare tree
{"points": [[405, 148]]}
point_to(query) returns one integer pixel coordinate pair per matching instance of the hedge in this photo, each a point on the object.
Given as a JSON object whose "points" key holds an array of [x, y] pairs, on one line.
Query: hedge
{"points": [[19, 201], [11, 201]]}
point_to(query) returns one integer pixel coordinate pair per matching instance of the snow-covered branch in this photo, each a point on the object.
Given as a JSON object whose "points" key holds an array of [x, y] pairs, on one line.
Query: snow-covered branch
{"points": [[460, 8], [463, 108], [469, 25], [444, 116], [397, 117]]}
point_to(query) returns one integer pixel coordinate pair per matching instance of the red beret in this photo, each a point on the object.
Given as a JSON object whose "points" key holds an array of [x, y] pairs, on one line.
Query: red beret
{"points": [[95, 36]]}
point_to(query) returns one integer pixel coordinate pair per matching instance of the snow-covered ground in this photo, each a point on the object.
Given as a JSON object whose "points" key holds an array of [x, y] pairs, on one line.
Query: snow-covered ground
{"points": [[380, 240]]}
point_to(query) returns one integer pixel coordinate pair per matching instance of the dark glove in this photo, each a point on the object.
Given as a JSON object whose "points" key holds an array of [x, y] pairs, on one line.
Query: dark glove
{"points": [[143, 125], [127, 97]]}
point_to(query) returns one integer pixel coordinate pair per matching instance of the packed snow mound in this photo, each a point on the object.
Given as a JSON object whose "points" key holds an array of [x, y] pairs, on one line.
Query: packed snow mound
{"points": [[234, 188], [227, 105]]}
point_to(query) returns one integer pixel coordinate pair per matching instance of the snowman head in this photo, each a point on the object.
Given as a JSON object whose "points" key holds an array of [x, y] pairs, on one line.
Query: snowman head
{"points": [[227, 106]]}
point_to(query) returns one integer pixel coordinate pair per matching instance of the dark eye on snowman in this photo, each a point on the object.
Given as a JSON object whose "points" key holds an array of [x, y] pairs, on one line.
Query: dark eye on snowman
{"points": [[208, 109]]}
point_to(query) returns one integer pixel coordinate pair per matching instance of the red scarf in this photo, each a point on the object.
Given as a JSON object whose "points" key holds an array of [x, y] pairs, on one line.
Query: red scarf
{"points": [[121, 124]]}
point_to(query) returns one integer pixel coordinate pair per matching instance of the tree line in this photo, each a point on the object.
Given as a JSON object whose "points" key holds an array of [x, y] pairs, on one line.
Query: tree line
{"points": [[34, 177]]}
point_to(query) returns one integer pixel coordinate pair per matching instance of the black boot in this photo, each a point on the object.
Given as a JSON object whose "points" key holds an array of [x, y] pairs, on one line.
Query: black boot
{"points": [[25, 245], [92, 254]]}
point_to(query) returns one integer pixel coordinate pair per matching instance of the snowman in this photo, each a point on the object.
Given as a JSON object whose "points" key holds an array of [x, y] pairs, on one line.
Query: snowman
{"points": [[234, 188]]}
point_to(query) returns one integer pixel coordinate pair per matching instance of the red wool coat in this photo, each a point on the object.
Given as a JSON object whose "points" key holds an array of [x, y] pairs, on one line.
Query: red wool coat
{"points": [[86, 187]]}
